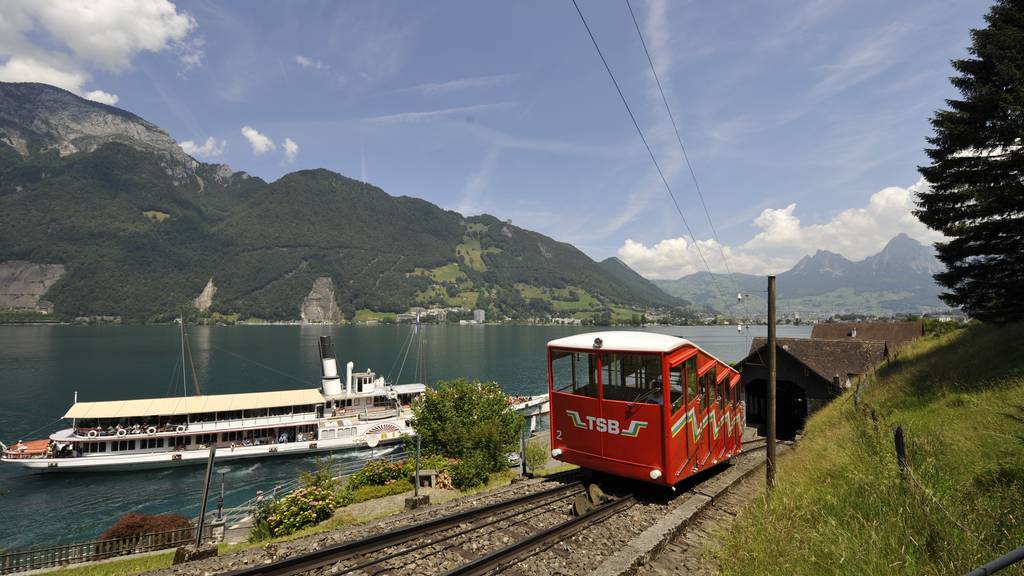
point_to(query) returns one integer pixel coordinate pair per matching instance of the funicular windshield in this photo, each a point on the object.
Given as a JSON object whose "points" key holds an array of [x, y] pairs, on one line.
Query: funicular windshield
{"points": [[574, 373], [634, 378]]}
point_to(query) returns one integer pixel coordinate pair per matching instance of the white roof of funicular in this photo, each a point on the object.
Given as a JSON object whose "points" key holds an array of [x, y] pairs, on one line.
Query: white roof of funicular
{"points": [[623, 341], [194, 404]]}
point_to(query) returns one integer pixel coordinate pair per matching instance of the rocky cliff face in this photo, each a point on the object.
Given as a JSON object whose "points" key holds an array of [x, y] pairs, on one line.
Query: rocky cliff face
{"points": [[205, 298], [320, 306], [22, 284], [37, 118]]}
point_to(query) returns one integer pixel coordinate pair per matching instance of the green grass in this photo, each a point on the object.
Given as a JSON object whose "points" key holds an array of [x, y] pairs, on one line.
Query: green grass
{"points": [[22, 316], [447, 273], [364, 315], [470, 253], [584, 301], [561, 299], [120, 567], [841, 506]]}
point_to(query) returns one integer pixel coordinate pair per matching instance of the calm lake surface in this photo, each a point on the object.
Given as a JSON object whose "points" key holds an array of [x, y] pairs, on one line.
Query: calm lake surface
{"points": [[41, 367]]}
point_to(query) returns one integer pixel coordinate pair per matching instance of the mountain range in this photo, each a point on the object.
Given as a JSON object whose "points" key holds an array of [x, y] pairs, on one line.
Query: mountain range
{"points": [[896, 280], [103, 214]]}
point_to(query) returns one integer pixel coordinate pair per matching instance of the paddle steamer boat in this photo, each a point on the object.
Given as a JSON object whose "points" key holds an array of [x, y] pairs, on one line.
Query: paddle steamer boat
{"points": [[357, 411]]}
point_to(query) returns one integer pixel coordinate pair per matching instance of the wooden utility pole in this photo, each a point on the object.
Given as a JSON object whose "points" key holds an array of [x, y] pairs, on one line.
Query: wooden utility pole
{"points": [[770, 465]]}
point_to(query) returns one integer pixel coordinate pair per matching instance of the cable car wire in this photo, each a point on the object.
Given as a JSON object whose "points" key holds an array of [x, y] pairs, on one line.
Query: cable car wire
{"points": [[689, 165], [650, 152]]}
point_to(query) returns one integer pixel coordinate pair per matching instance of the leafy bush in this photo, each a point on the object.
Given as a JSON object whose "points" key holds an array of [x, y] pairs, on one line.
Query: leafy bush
{"points": [[461, 419], [470, 472], [321, 477], [536, 456], [304, 507], [371, 492], [260, 520], [311, 504], [376, 473], [435, 462]]}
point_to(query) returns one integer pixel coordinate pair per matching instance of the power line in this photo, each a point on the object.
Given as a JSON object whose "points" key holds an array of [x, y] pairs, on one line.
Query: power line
{"points": [[650, 152], [689, 165]]}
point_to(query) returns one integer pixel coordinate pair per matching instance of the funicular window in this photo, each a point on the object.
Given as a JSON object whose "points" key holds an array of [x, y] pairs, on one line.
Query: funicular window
{"points": [[632, 378], [692, 391], [723, 390], [709, 389], [574, 373], [677, 387]]}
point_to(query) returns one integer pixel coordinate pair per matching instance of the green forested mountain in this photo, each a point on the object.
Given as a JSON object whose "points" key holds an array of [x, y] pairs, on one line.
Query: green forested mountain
{"points": [[142, 228]]}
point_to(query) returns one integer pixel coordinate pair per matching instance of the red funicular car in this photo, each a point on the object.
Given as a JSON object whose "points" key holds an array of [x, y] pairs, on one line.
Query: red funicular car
{"points": [[641, 405]]}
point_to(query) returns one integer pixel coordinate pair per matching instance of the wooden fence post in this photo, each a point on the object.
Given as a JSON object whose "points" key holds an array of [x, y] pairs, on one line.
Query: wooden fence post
{"points": [[901, 451]]}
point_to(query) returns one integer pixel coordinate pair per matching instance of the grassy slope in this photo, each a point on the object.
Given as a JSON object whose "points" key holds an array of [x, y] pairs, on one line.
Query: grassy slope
{"points": [[840, 506]]}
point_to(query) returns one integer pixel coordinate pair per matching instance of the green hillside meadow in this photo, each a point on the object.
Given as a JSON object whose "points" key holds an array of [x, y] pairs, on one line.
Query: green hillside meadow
{"points": [[840, 506], [139, 242]]}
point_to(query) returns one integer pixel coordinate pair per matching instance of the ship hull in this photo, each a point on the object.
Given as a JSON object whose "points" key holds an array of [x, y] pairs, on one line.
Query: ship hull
{"points": [[171, 459]]}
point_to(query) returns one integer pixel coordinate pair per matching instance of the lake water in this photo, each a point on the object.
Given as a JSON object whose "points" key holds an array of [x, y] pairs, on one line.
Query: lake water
{"points": [[41, 367]]}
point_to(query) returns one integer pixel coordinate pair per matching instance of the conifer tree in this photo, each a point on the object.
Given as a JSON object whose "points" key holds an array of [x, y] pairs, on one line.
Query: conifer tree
{"points": [[977, 173]]}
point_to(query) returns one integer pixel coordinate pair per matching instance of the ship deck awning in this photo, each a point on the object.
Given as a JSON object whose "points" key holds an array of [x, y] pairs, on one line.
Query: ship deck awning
{"points": [[194, 404]]}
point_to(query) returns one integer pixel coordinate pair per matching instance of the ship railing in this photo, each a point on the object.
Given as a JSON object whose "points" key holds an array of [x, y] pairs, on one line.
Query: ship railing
{"points": [[12, 455], [201, 426], [251, 422], [53, 556]]}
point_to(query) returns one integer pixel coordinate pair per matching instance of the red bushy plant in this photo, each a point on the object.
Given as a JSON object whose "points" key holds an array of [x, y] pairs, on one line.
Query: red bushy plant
{"points": [[133, 524]]}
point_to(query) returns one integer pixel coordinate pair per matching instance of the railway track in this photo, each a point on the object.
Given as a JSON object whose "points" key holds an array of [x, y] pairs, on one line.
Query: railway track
{"points": [[481, 540], [414, 543]]}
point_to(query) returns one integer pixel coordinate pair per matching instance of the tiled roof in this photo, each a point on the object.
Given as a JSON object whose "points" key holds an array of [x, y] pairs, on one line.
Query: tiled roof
{"points": [[895, 334], [825, 357]]}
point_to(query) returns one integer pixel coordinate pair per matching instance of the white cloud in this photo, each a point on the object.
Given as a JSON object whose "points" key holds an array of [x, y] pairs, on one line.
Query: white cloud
{"points": [[477, 183], [291, 149], [209, 149], [870, 58], [260, 143], [101, 97], [307, 62], [29, 69], [58, 41], [435, 88], [782, 240], [431, 115]]}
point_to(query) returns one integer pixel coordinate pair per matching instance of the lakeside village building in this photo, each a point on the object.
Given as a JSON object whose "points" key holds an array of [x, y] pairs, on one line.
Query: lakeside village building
{"points": [[810, 372]]}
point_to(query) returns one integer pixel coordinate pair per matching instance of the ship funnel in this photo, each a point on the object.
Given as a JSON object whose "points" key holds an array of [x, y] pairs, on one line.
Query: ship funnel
{"points": [[348, 377], [329, 379]]}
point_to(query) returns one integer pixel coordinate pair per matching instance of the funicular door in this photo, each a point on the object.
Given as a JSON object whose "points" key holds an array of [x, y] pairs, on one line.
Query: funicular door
{"points": [[738, 416], [709, 414], [575, 400], [632, 396], [683, 426], [724, 408]]}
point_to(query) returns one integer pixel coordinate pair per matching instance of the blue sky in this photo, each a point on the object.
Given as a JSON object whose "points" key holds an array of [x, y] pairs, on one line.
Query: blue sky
{"points": [[804, 121]]}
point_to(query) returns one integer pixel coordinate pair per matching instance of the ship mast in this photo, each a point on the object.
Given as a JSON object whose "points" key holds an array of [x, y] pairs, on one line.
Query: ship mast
{"points": [[184, 388], [185, 348]]}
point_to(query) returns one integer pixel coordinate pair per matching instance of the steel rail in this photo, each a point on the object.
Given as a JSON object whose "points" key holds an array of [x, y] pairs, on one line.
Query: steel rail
{"points": [[491, 521], [516, 550], [328, 555]]}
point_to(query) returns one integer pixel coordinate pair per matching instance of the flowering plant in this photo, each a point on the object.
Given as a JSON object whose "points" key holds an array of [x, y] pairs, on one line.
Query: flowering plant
{"points": [[304, 507]]}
